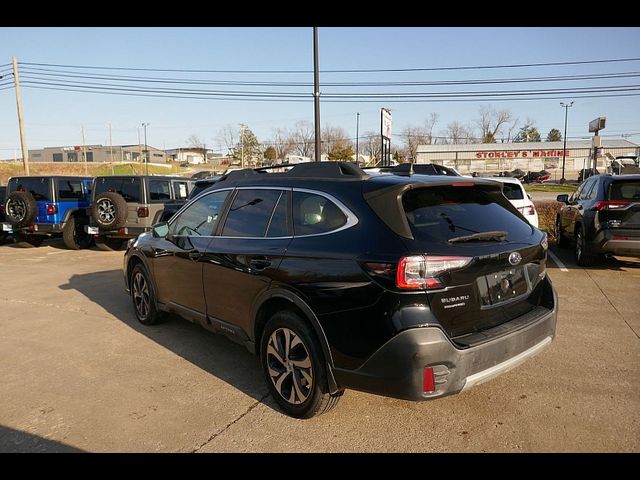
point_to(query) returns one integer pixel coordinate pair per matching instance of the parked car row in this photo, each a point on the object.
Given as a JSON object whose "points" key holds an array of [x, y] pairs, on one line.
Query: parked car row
{"points": [[108, 209]]}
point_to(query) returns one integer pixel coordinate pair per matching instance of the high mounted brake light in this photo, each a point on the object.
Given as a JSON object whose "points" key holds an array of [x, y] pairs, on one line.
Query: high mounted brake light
{"points": [[462, 184], [421, 271], [611, 204]]}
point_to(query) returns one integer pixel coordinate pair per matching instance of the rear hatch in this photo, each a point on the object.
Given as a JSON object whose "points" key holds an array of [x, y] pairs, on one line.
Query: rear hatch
{"points": [[621, 209], [486, 262]]}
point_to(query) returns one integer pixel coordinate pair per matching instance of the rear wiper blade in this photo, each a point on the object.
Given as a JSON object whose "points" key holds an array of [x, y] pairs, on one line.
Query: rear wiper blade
{"points": [[494, 236]]}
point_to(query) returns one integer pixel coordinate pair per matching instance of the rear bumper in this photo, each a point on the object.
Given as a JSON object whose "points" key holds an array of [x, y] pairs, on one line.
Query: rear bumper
{"points": [[618, 242], [124, 232], [397, 368], [36, 229]]}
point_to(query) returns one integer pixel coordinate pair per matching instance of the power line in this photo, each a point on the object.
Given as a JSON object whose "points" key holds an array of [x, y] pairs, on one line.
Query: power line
{"points": [[127, 78], [193, 97], [376, 70]]}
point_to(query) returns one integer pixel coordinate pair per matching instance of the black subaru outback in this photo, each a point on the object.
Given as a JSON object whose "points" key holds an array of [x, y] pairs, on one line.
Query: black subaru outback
{"points": [[410, 286]]}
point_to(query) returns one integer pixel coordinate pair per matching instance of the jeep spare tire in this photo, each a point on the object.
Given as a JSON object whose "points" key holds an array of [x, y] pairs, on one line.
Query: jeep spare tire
{"points": [[109, 210], [20, 209]]}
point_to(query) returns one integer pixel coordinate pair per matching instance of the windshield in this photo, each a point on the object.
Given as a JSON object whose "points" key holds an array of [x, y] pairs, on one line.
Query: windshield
{"points": [[439, 213]]}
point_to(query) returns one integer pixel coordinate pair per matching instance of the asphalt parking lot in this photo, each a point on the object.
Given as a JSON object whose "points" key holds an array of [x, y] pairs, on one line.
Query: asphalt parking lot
{"points": [[78, 373]]}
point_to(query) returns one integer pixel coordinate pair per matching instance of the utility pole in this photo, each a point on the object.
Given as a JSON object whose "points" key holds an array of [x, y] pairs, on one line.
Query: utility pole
{"points": [[357, 137], [242, 145], [113, 168], [23, 143], [146, 148], [84, 151], [316, 91], [139, 147], [564, 148]]}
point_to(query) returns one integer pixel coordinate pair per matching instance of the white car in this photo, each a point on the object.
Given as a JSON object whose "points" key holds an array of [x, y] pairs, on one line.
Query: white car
{"points": [[515, 193]]}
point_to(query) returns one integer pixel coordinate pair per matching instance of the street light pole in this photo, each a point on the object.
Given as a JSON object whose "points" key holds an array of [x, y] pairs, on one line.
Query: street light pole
{"points": [[146, 151], [242, 145], [357, 137], [564, 148]]}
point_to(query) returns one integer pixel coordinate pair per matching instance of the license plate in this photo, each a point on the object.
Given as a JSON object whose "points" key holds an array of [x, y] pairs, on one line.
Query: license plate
{"points": [[6, 227], [92, 230], [502, 286]]}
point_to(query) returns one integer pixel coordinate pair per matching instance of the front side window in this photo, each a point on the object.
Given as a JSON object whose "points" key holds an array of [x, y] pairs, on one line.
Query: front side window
{"points": [[159, 190], [314, 214], [250, 213], [586, 189], [201, 217]]}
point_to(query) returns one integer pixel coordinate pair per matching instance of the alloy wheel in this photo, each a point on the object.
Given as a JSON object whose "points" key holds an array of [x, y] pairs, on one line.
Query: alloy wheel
{"points": [[16, 209], [141, 297], [106, 211], [289, 366], [579, 246]]}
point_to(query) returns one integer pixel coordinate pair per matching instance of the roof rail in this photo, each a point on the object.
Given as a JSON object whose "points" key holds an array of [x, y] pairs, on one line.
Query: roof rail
{"points": [[303, 170]]}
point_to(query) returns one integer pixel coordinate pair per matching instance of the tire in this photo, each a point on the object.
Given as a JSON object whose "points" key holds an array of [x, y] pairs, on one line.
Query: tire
{"points": [[28, 240], [109, 210], [584, 257], [561, 241], [20, 209], [73, 234], [298, 386], [143, 297], [109, 244]]}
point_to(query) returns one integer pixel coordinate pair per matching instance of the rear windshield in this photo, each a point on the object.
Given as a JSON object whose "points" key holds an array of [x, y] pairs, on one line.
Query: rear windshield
{"points": [[39, 187], [625, 190], [439, 213], [129, 188], [512, 191]]}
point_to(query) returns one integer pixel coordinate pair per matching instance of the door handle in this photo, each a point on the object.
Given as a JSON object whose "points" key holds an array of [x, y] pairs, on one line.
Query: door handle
{"points": [[259, 263]]}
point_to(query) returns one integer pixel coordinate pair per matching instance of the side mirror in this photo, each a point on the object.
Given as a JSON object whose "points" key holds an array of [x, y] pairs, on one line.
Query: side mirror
{"points": [[160, 230], [563, 198]]}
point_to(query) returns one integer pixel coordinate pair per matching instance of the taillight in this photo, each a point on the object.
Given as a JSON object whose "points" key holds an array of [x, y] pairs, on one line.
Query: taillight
{"points": [[421, 271], [428, 380], [143, 212], [52, 209], [611, 204], [528, 210]]}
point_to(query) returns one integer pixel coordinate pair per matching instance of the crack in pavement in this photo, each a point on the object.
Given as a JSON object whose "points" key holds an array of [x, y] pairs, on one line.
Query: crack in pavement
{"points": [[213, 436], [611, 303]]}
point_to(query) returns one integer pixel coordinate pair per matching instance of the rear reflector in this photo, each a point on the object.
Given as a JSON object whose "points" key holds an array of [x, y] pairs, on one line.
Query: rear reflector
{"points": [[52, 209], [421, 271], [428, 382], [143, 212], [611, 205]]}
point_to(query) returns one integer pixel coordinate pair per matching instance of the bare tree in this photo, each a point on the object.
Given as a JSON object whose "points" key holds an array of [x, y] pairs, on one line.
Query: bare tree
{"points": [[413, 136], [490, 122], [303, 136], [512, 127], [228, 137], [282, 142], [457, 133], [372, 146], [195, 141], [429, 124], [334, 139]]}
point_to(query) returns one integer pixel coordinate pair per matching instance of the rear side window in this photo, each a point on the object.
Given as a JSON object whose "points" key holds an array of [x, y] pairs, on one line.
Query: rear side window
{"points": [[129, 188], [39, 187], [314, 214], [70, 189], [439, 213], [250, 213], [159, 190], [512, 191], [625, 190]]}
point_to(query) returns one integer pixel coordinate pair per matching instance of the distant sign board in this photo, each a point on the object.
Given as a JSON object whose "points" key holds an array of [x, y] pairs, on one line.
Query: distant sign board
{"points": [[597, 124], [386, 123]]}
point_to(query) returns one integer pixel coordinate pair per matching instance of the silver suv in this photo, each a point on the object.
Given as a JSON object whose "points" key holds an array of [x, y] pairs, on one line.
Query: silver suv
{"points": [[124, 206]]}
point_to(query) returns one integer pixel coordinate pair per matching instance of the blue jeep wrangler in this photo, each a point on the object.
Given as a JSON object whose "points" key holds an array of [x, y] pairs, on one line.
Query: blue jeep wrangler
{"points": [[39, 207]]}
